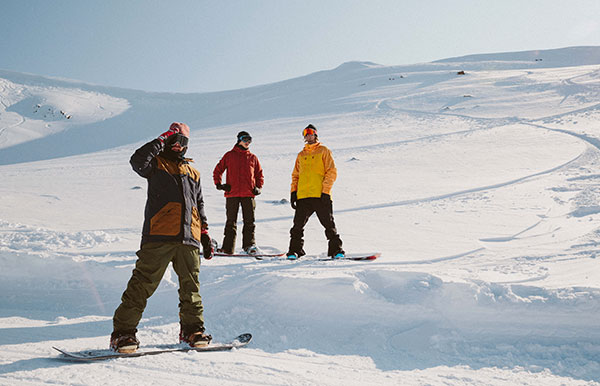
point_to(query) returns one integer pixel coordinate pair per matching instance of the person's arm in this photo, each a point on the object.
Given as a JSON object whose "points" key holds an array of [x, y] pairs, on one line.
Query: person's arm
{"points": [[205, 240], [294, 187], [259, 178], [295, 175], [141, 160], [218, 173], [219, 170], [330, 172], [200, 206]]}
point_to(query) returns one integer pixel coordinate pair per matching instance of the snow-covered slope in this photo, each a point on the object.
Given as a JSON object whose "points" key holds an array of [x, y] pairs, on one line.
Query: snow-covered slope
{"points": [[481, 190], [559, 57]]}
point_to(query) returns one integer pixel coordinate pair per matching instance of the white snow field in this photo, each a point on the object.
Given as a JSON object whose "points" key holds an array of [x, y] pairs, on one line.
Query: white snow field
{"points": [[481, 191]]}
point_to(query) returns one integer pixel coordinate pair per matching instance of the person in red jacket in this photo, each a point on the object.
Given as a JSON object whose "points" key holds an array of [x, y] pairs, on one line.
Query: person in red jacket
{"points": [[244, 182]]}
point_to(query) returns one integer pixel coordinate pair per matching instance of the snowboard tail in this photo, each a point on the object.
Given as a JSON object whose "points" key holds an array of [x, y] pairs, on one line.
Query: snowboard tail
{"points": [[96, 355], [352, 256]]}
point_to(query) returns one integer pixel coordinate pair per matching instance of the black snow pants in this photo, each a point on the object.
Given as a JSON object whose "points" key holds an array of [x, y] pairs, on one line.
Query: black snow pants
{"points": [[304, 209], [232, 206]]}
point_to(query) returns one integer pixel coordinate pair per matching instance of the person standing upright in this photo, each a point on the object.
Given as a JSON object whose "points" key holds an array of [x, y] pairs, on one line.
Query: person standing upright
{"points": [[244, 181], [312, 180], [175, 227]]}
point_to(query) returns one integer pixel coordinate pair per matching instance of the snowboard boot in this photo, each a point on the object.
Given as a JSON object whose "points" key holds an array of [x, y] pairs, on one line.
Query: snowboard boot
{"points": [[195, 339], [225, 251], [125, 343], [252, 250]]}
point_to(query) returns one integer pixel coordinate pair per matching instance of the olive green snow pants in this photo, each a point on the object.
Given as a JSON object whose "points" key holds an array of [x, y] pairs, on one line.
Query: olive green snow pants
{"points": [[153, 260]]}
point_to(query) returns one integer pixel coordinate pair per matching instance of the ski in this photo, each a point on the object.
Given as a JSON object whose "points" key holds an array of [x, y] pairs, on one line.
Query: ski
{"points": [[96, 355]]}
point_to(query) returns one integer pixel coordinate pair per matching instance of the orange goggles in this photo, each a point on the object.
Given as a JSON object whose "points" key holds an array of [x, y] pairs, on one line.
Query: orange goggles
{"points": [[308, 131]]}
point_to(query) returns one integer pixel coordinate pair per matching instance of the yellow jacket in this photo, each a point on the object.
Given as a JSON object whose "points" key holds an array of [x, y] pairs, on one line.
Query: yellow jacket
{"points": [[314, 171]]}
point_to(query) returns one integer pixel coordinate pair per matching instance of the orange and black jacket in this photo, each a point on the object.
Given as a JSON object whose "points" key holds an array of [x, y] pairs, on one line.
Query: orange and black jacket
{"points": [[175, 206]]}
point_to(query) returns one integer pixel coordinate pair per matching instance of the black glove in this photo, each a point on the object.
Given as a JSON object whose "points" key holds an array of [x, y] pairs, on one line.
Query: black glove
{"points": [[225, 187], [293, 199], [325, 197], [256, 191], [208, 249]]}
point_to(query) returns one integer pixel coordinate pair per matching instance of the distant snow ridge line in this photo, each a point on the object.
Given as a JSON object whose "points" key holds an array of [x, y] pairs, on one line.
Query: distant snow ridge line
{"points": [[20, 237]]}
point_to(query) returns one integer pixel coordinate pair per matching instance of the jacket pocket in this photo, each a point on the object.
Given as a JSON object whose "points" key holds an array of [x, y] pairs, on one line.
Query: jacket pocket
{"points": [[167, 222], [196, 224]]}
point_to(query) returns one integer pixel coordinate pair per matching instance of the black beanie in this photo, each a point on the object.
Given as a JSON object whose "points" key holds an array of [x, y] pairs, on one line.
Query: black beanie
{"points": [[243, 134]]}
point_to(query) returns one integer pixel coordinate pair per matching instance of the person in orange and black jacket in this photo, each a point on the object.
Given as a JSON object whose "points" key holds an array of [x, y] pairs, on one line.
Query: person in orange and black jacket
{"points": [[175, 226], [244, 181], [312, 180]]}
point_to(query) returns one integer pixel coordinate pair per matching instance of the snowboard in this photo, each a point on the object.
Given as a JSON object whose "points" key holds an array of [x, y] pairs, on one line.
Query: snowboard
{"points": [[349, 256], [259, 256], [278, 256], [97, 355]]}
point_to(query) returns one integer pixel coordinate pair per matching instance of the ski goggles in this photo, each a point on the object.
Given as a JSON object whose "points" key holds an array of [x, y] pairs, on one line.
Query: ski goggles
{"points": [[308, 131], [246, 138], [181, 139]]}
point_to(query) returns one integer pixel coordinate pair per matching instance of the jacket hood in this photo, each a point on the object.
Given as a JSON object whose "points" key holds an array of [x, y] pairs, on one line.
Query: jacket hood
{"points": [[240, 149], [312, 147]]}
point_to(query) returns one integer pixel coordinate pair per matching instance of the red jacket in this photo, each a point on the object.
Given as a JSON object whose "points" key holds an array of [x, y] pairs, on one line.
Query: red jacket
{"points": [[243, 172]]}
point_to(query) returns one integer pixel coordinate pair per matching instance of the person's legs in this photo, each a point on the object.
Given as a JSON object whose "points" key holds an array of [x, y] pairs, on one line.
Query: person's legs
{"points": [[248, 207], [304, 209], [325, 215], [232, 205], [186, 264], [153, 259]]}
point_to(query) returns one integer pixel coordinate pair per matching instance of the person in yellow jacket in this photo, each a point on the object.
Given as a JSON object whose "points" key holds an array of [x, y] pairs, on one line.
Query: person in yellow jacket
{"points": [[312, 179]]}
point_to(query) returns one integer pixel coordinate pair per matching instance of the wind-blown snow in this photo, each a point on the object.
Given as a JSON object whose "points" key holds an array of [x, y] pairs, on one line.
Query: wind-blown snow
{"points": [[482, 191]]}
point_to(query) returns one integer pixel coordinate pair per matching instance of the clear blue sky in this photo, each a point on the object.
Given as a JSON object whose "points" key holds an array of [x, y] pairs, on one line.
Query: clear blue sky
{"points": [[197, 46]]}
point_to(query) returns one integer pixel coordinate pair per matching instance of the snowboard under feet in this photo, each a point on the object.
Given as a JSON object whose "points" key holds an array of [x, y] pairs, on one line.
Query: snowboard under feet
{"points": [[280, 256], [349, 256], [259, 256], [96, 355]]}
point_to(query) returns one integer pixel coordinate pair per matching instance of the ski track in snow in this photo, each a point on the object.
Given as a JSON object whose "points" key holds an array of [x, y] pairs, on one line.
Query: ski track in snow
{"points": [[495, 281]]}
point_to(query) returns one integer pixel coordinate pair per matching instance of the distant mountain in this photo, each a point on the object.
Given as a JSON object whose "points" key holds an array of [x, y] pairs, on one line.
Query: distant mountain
{"points": [[560, 57], [43, 117]]}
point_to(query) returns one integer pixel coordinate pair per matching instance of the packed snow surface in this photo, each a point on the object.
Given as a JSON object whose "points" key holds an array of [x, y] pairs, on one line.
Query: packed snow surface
{"points": [[477, 178]]}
